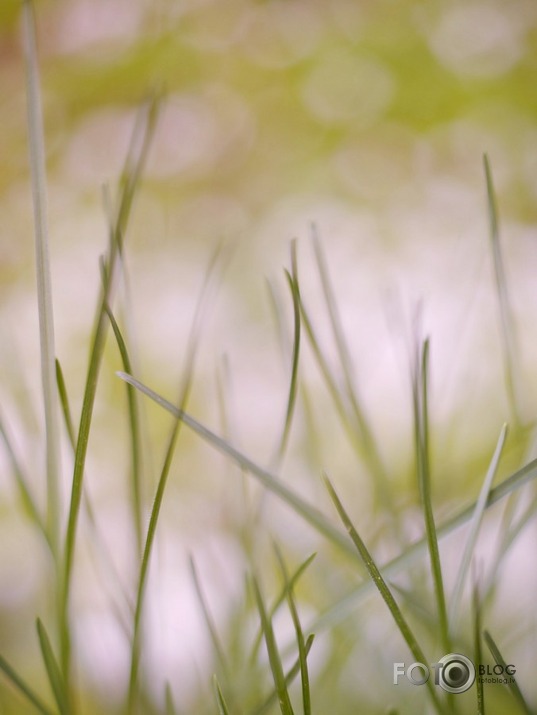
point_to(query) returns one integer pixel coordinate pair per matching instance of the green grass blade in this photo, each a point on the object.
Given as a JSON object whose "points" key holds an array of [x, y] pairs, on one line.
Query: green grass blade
{"points": [[220, 701], [513, 687], [312, 515], [134, 432], [306, 695], [44, 289], [478, 653], [506, 320], [291, 582], [421, 438], [383, 588], [293, 386], [53, 670], [273, 653], [211, 626], [130, 181], [475, 525], [191, 352], [292, 673], [22, 687], [21, 482]]}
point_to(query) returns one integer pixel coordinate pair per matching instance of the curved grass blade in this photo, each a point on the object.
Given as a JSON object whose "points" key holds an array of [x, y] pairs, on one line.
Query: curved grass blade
{"points": [[475, 526], [191, 353], [131, 177], [383, 589], [513, 687], [302, 659], [289, 678], [273, 654], [53, 670], [22, 484], [220, 701], [217, 645], [44, 289], [25, 689], [421, 439], [506, 319]]}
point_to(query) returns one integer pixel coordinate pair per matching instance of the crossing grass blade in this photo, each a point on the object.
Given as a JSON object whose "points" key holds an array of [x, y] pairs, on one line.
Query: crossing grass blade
{"points": [[506, 316], [130, 180], [421, 439], [36, 144], [302, 657], [53, 669], [16, 680], [209, 621], [382, 588], [513, 687], [475, 525], [276, 665]]}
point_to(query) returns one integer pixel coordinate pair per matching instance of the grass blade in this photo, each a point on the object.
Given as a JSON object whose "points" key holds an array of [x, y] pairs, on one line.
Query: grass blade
{"points": [[44, 291], [220, 701], [53, 670], [170, 705], [134, 166], [306, 695], [475, 525], [383, 588], [217, 645], [22, 687], [506, 320], [421, 439], [478, 654], [273, 654], [513, 687]]}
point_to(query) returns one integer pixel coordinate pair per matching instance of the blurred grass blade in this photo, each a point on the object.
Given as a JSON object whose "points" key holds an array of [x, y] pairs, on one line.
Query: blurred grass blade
{"points": [[475, 525], [53, 669], [312, 515], [21, 481], [22, 687], [290, 583], [170, 705], [44, 290], [383, 588], [220, 701], [513, 687], [506, 319], [191, 352], [369, 449], [134, 433], [306, 695], [217, 645], [478, 654], [134, 166], [293, 386], [273, 654], [289, 678], [421, 439]]}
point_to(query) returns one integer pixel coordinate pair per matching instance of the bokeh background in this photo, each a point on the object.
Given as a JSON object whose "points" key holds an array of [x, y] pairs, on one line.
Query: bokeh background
{"points": [[365, 122]]}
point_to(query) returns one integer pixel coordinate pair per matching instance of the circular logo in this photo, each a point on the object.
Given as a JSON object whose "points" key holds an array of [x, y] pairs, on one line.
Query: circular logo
{"points": [[457, 673]]}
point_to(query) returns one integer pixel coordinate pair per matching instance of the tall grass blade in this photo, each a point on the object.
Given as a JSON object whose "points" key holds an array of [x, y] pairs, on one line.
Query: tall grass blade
{"points": [[475, 525], [421, 438], [306, 695], [382, 588], [44, 289], [273, 653], [132, 174], [191, 352], [15, 679], [53, 669], [506, 319], [513, 687]]}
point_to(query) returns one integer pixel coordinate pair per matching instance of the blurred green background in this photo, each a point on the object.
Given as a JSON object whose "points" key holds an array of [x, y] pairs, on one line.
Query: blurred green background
{"points": [[368, 120]]}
